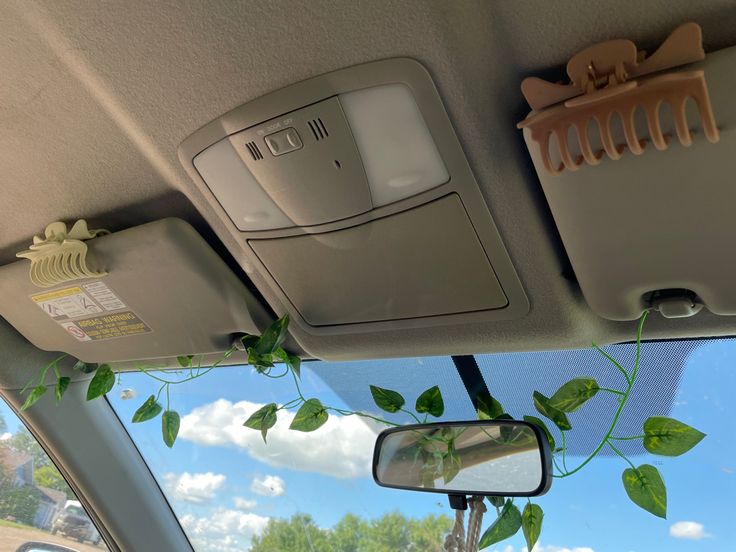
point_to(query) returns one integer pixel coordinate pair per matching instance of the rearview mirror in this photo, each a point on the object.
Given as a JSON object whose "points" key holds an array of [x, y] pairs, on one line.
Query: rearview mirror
{"points": [[494, 457]]}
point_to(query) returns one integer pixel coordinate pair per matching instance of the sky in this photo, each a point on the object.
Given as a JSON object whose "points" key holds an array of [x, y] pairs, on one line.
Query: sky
{"points": [[224, 483]]}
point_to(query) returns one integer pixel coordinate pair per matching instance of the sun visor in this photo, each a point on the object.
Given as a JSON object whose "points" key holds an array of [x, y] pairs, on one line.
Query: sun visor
{"points": [[635, 157], [155, 290]]}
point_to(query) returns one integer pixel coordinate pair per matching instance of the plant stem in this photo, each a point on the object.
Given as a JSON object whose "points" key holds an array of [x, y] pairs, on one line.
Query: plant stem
{"points": [[564, 451], [410, 413], [296, 383], [168, 398], [362, 414], [43, 373], [614, 362], [611, 390], [621, 454], [623, 399], [634, 438]]}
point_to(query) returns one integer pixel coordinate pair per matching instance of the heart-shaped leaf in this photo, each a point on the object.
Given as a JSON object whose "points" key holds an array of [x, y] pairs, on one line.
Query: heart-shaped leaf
{"points": [[61, 385], [451, 465], [497, 501], [84, 367], [101, 383], [259, 361], [646, 489], [531, 524], [541, 403], [310, 416], [537, 422], [36, 394], [147, 411], [386, 399], [488, 407], [505, 526], [292, 361], [273, 337], [431, 402], [669, 437], [263, 419], [574, 394], [170, 426], [185, 361], [249, 341]]}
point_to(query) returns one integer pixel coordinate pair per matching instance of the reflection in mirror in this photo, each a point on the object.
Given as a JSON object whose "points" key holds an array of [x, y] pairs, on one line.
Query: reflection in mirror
{"points": [[490, 457]]}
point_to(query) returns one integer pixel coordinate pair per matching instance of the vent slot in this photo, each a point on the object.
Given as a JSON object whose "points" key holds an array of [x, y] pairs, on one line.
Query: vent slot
{"points": [[318, 128], [255, 153]]}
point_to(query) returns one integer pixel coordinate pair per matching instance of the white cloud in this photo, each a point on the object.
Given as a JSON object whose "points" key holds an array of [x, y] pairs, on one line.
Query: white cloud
{"points": [[193, 487], [690, 530], [224, 531], [342, 448], [6, 436], [244, 503], [271, 485]]}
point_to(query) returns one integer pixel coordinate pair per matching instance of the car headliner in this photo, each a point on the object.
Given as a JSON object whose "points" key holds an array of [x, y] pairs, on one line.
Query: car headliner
{"points": [[96, 98]]}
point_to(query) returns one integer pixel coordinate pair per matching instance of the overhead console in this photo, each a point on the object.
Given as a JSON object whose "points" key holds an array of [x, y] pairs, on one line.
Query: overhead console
{"points": [[353, 201]]}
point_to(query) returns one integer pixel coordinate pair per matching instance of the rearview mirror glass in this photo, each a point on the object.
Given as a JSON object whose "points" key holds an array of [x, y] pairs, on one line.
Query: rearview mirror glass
{"points": [[495, 457]]}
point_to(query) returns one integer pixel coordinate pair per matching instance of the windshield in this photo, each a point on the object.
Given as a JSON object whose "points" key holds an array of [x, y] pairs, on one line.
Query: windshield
{"points": [[314, 491]]}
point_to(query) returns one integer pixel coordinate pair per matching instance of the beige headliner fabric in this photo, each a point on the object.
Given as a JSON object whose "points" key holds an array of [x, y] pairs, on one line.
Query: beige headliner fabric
{"points": [[95, 98]]}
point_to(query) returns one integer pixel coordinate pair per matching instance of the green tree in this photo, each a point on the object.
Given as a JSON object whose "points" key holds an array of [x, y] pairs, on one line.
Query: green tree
{"points": [[393, 532], [348, 533], [292, 535], [19, 503], [49, 476], [23, 441]]}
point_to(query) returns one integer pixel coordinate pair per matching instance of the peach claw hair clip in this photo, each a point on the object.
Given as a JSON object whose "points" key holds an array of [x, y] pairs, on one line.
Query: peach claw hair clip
{"points": [[612, 77]]}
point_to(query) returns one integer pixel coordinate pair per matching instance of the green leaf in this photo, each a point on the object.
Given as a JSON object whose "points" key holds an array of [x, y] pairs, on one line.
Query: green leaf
{"points": [[537, 422], [273, 337], [497, 501], [185, 361], [541, 403], [61, 384], [84, 367], [292, 361], [36, 394], [431, 402], [249, 341], [387, 400], [574, 394], [646, 489], [669, 437], [170, 426], [531, 524], [488, 407], [147, 411], [310, 416], [505, 526], [101, 383], [451, 465], [258, 360], [506, 429], [263, 419]]}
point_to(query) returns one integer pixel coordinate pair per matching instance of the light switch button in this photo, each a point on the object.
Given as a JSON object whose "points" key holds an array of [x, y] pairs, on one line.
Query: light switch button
{"points": [[284, 141]]}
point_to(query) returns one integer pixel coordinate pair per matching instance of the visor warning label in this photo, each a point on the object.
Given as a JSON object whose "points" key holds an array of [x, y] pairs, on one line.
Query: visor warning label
{"points": [[85, 312]]}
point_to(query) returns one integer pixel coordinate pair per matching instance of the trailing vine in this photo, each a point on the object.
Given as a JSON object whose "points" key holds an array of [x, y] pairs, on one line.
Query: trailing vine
{"points": [[643, 484]]}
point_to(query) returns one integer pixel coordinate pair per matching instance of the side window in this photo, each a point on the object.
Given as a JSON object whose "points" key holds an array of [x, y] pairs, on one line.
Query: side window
{"points": [[36, 504]]}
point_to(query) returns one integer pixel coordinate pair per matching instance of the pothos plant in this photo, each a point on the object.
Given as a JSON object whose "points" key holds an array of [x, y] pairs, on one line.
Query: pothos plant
{"points": [[643, 484]]}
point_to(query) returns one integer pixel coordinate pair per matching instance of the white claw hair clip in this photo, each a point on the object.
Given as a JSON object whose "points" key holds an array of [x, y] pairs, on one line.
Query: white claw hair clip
{"points": [[60, 256]]}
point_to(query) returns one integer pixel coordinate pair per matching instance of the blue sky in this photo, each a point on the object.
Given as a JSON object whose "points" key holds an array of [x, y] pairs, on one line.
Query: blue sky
{"points": [[224, 484]]}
